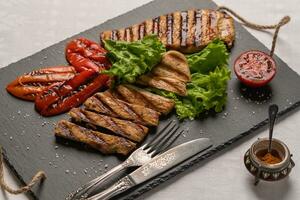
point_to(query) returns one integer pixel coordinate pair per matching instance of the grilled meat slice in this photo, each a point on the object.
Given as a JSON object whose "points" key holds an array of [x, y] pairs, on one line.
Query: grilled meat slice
{"points": [[124, 128], [171, 74], [174, 65], [106, 103], [138, 96], [164, 83], [186, 31], [107, 144]]}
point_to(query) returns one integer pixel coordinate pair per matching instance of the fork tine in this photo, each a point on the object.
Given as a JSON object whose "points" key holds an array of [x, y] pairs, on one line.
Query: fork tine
{"points": [[164, 137], [158, 135], [168, 144], [157, 147]]}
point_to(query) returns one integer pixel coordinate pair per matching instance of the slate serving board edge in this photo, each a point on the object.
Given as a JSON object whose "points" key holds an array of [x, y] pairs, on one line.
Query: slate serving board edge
{"points": [[191, 162]]}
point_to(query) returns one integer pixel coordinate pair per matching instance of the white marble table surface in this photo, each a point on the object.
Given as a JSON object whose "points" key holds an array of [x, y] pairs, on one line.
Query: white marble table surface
{"points": [[224, 177]]}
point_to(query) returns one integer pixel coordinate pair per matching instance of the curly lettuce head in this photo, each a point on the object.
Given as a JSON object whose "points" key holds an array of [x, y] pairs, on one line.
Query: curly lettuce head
{"points": [[132, 59]]}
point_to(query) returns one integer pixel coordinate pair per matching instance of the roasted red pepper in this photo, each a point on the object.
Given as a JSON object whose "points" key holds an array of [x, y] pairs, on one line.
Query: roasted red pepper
{"points": [[84, 54], [30, 84], [72, 93]]}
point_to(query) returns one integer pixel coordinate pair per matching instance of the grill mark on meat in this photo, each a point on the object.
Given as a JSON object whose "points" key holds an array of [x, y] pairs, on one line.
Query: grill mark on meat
{"points": [[148, 27], [137, 95], [128, 34], [213, 24], [121, 34], [191, 29], [114, 35], [142, 97], [156, 25], [135, 32], [108, 100], [170, 21], [96, 104], [142, 30], [176, 27], [162, 32], [116, 128], [184, 28], [198, 27], [100, 37], [164, 83]]}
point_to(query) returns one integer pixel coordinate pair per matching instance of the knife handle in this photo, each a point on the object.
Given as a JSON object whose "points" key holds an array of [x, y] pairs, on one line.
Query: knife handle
{"points": [[87, 189], [119, 187]]}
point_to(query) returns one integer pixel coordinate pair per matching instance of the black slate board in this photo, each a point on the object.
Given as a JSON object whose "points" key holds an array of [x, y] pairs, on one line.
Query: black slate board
{"points": [[29, 144]]}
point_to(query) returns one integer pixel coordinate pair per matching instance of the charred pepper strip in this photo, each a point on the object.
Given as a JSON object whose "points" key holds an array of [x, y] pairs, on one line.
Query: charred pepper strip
{"points": [[27, 86], [72, 93], [85, 54]]}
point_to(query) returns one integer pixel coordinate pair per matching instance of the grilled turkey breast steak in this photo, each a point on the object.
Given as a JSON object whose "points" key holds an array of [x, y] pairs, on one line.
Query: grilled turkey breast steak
{"points": [[186, 31], [107, 144]]}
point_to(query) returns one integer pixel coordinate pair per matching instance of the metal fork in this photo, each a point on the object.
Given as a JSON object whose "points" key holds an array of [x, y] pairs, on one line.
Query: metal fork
{"points": [[139, 157]]}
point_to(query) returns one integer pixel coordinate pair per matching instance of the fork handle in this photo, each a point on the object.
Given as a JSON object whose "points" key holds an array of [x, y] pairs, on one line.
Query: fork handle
{"points": [[85, 190], [119, 187]]}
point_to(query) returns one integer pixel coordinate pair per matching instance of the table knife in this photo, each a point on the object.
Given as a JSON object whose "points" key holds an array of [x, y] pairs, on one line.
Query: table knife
{"points": [[155, 166]]}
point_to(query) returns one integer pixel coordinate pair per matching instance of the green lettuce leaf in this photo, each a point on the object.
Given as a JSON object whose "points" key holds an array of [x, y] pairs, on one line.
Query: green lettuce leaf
{"points": [[132, 59], [215, 54]]}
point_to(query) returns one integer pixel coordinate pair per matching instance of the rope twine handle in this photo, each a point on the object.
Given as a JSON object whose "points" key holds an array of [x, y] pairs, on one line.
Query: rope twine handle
{"points": [[40, 175], [245, 22]]}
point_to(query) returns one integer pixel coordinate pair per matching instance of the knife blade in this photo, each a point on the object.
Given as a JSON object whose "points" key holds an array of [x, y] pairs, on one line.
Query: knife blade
{"points": [[155, 166]]}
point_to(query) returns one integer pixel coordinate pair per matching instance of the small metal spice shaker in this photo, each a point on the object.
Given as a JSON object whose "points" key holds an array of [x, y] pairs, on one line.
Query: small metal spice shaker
{"points": [[265, 171]]}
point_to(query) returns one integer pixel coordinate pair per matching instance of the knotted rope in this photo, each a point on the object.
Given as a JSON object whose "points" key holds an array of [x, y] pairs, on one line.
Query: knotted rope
{"points": [[245, 22], [38, 176]]}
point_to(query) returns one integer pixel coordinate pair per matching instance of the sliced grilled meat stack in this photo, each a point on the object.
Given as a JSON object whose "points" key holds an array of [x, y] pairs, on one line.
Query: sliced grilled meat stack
{"points": [[171, 74], [107, 144], [123, 113], [186, 31]]}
